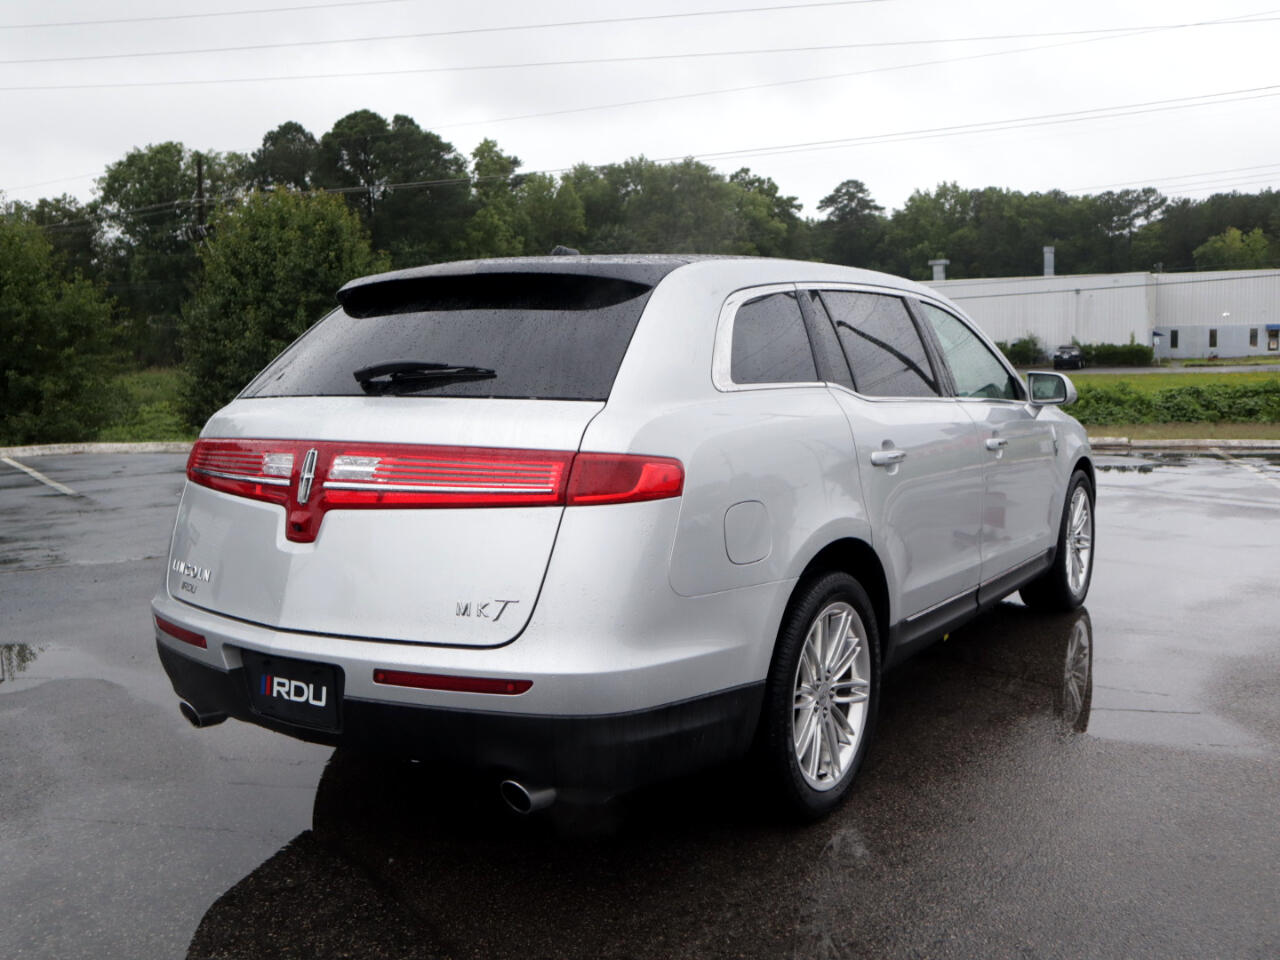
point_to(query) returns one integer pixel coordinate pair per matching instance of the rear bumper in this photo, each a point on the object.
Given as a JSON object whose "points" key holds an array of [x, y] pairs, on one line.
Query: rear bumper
{"points": [[597, 755]]}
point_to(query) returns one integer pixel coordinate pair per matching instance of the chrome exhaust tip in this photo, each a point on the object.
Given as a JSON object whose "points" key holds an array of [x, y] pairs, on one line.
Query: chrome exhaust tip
{"points": [[525, 800], [198, 719]]}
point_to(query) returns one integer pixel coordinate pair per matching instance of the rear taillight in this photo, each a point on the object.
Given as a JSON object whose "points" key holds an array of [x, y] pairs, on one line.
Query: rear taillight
{"points": [[312, 478], [258, 469], [445, 477], [623, 478]]}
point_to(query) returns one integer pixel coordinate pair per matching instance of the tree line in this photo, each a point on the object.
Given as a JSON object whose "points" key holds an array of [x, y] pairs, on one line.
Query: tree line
{"points": [[216, 259]]}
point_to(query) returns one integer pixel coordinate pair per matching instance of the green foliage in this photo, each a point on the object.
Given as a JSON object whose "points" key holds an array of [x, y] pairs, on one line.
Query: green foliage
{"points": [[854, 228], [1233, 250], [287, 158], [145, 405], [1257, 402], [270, 270], [1117, 354], [1024, 352], [152, 209], [56, 343], [415, 224]]}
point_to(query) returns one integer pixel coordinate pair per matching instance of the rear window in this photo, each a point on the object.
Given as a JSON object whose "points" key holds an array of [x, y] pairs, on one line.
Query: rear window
{"points": [[541, 336]]}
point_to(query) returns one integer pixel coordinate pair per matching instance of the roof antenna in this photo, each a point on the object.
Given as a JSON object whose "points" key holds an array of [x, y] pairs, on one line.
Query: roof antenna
{"points": [[560, 250]]}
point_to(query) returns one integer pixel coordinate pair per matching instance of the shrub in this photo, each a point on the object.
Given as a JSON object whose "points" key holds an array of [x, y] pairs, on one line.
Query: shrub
{"points": [[1024, 352], [56, 343], [1117, 354], [1211, 403]]}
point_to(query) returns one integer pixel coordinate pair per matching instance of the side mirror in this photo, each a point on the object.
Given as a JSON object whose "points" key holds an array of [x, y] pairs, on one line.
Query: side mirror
{"points": [[1050, 388]]}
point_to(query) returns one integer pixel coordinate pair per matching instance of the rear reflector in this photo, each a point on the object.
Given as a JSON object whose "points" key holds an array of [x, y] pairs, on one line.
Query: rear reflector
{"points": [[181, 633], [312, 478], [437, 681], [622, 478]]}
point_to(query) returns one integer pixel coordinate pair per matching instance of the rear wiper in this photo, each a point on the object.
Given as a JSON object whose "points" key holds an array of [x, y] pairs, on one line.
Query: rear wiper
{"points": [[399, 376]]}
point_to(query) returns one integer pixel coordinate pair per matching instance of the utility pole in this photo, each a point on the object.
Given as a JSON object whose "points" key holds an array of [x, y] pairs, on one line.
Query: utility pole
{"points": [[199, 195]]}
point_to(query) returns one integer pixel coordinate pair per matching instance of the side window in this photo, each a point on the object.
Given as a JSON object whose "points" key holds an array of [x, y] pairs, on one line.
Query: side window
{"points": [[975, 368], [770, 344], [883, 346]]}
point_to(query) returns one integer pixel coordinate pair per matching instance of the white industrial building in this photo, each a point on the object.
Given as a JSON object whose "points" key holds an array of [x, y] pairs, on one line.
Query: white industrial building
{"points": [[1223, 313]]}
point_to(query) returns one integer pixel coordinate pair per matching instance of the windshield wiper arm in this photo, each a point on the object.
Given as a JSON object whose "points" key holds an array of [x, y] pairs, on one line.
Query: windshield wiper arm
{"points": [[408, 375]]}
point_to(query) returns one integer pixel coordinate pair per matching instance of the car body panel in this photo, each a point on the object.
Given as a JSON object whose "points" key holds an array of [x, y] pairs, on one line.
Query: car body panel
{"points": [[632, 607]]}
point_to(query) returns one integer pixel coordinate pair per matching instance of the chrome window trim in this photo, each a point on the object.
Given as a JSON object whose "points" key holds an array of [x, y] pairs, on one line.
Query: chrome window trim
{"points": [[722, 355], [870, 399]]}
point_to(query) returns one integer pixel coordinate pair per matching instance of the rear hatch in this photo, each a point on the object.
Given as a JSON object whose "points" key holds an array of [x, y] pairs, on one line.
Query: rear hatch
{"points": [[399, 473]]}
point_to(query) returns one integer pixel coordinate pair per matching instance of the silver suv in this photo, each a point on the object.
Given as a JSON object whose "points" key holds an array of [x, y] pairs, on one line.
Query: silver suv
{"points": [[589, 522]]}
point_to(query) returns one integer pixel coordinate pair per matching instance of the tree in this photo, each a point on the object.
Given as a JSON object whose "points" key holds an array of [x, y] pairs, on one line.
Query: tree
{"points": [[854, 227], [287, 158], [411, 186], [1233, 250], [499, 226], [56, 335], [269, 270], [69, 226], [153, 206], [770, 222]]}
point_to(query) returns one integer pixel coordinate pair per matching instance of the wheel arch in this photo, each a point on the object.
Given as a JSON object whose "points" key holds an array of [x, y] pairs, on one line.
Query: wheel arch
{"points": [[858, 559], [1085, 463]]}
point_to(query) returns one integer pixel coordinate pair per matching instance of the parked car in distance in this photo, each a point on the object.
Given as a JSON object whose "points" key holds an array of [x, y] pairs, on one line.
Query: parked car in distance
{"points": [[1068, 357], [588, 522]]}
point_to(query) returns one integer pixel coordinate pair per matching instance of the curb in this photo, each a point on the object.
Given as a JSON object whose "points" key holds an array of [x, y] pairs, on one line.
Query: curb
{"points": [[1125, 445], [57, 449]]}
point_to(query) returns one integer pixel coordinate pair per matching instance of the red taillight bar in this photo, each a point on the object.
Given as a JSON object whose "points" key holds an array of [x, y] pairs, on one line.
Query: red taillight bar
{"points": [[182, 633], [439, 681], [310, 478]]}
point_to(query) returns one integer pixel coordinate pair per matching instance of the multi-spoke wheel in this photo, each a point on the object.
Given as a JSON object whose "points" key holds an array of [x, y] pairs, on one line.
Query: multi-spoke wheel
{"points": [[1075, 699], [822, 693], [1064, 585]]}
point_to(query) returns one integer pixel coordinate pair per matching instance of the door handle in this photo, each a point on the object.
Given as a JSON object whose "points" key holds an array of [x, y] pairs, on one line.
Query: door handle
{"points": [[885, 458], [996, 443]]}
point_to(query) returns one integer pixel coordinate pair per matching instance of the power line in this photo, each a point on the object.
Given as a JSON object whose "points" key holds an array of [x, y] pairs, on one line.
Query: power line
{"points": [[782, 83], [197, 16], [684, 15], [1154, 180], [1016, 123], [697, 55]]}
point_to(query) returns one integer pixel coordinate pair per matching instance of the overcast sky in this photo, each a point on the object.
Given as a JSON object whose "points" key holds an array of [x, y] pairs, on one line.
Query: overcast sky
{"points": [[55, 141]]}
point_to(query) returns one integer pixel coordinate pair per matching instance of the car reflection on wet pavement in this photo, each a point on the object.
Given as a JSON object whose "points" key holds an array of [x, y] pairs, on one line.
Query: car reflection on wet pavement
{"points": [[1097, 784]]}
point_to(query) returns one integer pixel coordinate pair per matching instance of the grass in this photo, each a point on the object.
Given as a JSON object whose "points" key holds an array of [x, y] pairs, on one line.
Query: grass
{"points": [[144, 405], [1186, 431], [1153, 382], [1231, 361]]}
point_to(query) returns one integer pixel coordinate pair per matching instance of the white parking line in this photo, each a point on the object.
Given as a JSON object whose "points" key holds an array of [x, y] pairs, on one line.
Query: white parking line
{"points": [[1252, 468], [37, 475]]}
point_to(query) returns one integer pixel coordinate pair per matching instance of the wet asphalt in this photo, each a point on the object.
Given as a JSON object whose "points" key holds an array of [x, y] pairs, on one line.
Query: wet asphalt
{"points": [[1103, 784]]}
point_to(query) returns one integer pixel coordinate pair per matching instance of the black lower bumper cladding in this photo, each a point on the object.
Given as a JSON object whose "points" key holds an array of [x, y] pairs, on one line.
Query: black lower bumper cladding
{"points": [[598, 754]]}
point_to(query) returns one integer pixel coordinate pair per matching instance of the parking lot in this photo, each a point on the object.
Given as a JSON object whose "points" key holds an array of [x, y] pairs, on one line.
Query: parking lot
{"points": [[1102, 784]]}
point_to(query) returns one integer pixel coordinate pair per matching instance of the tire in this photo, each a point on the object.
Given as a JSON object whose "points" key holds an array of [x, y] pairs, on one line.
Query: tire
{"points": [[829, 617], [1065, 584]]}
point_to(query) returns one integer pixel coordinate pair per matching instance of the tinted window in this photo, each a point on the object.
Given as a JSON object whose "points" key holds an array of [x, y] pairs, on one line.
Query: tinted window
{"points": [[882, 344], [544, 336], [974, 367], [770, 344]]}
